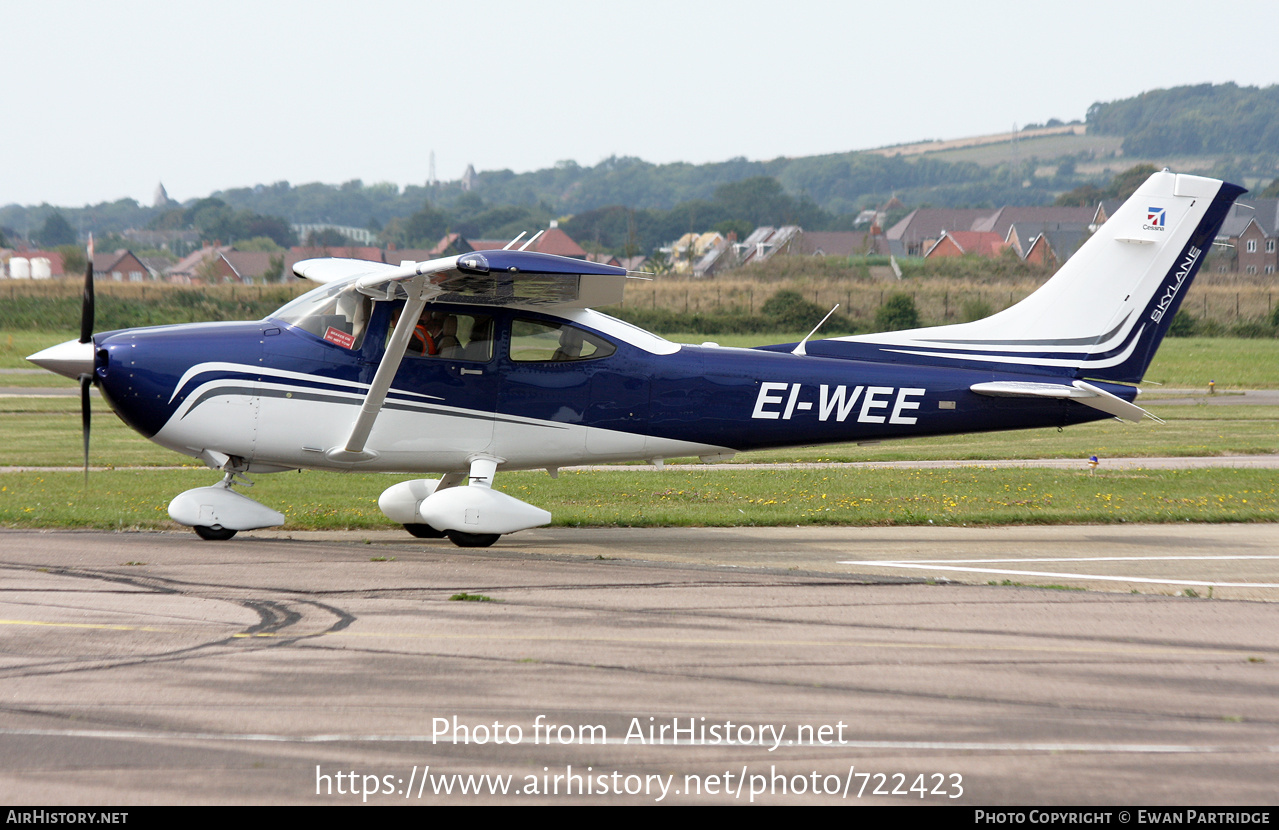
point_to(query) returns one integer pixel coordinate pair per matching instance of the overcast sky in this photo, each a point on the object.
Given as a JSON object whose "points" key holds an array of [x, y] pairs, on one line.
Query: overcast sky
{"points": [[104, 100]]}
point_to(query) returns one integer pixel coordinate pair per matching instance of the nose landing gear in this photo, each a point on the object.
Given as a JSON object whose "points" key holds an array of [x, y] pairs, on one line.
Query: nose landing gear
{"points": [[216, 513]]}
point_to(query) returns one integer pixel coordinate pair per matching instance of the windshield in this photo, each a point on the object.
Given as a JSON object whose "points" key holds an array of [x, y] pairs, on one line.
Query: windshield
{"points": [[336, 313]]}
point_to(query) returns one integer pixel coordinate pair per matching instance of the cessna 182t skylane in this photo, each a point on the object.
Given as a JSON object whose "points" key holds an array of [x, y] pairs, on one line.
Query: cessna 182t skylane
{"points": [[495, 360]]}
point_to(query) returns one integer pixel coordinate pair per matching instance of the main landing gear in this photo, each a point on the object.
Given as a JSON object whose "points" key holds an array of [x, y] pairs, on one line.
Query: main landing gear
{"points": [[458, 537], [422, 531], [472, 540], [463, 507]]}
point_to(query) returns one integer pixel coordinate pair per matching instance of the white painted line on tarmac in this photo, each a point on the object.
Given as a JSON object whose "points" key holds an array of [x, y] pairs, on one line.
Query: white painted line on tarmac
{"points": [[1087, 559], [954, 565]]}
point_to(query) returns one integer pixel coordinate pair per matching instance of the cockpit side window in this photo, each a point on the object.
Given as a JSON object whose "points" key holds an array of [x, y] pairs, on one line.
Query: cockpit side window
{"points": [[451, 335], [338, 314], [539, 340]]}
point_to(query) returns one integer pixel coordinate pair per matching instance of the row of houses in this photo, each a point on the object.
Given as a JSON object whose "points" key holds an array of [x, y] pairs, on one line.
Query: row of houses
{"points": [[1046, 235], [711, 253], [1042, 235], [224, 263], [1248, 242], [122, 265]]}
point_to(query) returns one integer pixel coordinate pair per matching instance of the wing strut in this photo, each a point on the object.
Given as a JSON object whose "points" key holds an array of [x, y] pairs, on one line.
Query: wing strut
{"points": [[419, 290]]}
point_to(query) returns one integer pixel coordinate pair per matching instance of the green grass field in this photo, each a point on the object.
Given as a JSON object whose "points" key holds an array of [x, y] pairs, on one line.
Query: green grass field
{"points": [[137, 499], [15, 345]]}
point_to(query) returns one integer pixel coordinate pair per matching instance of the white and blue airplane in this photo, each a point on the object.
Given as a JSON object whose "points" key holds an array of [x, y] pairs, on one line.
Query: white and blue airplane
{"points": [[469, 364]]}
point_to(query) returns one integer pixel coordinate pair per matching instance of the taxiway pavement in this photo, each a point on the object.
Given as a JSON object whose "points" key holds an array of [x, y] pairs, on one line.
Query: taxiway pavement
{"points": [[154, 668]]}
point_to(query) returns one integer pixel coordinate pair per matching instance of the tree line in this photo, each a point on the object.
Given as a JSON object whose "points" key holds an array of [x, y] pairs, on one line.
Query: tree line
{"points": [[1193, 120]]}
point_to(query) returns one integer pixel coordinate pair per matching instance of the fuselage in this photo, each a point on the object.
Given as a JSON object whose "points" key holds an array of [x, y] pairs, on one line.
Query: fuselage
{"points": [[280, 395]]}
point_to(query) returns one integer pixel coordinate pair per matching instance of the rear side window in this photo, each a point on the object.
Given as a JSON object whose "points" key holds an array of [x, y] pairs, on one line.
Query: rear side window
{"points": [[542, 341]]}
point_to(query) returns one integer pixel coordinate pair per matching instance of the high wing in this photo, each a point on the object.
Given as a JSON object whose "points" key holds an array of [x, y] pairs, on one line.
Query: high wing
{"points": [[499, 278], [520, 278]]}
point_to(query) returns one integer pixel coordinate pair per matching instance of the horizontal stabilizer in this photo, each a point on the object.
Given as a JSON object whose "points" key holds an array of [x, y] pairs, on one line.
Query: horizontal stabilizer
{"points": [[1079, 391]]}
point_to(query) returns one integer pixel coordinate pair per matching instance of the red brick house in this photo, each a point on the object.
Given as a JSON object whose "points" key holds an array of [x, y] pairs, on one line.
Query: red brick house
{"points": [[1251, 234], [121, 266], [958, 243]]}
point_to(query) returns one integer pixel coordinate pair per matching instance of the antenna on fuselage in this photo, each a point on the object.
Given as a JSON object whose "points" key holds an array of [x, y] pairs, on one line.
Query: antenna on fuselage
{"points": [[800, 348], [531, 240], [508, 245]]}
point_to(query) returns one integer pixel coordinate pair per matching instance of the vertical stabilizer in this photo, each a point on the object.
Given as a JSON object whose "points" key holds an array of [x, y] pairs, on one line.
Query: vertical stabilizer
{"points": [[1104, 313]]}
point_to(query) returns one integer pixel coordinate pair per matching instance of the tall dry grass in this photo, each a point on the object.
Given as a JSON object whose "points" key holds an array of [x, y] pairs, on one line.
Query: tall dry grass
{"points": [[1221, 299]]}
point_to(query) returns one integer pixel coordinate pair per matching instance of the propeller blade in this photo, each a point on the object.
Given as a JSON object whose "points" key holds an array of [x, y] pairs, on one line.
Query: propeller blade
{"points": [[86, 336], [86, 308], [86, 382]]}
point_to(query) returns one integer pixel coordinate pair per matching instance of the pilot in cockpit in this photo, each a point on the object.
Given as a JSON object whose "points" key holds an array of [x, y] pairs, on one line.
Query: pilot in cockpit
{"points": [[425, 339]]}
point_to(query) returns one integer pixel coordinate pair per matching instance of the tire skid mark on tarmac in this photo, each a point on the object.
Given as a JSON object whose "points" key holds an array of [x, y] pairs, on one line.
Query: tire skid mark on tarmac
{"points": [[1106, 710], [279, 621], [751, 615], [276, 618]]}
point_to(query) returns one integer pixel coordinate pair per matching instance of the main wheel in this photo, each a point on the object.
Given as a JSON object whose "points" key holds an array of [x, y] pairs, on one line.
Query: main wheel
{"points": [[424, 531], [472, 540], [217, 533]]}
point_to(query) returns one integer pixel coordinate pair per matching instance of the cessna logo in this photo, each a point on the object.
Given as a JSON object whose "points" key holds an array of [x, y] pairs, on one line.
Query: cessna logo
{"points": [[1156, 219], [1192, 256], [873, 404]]}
